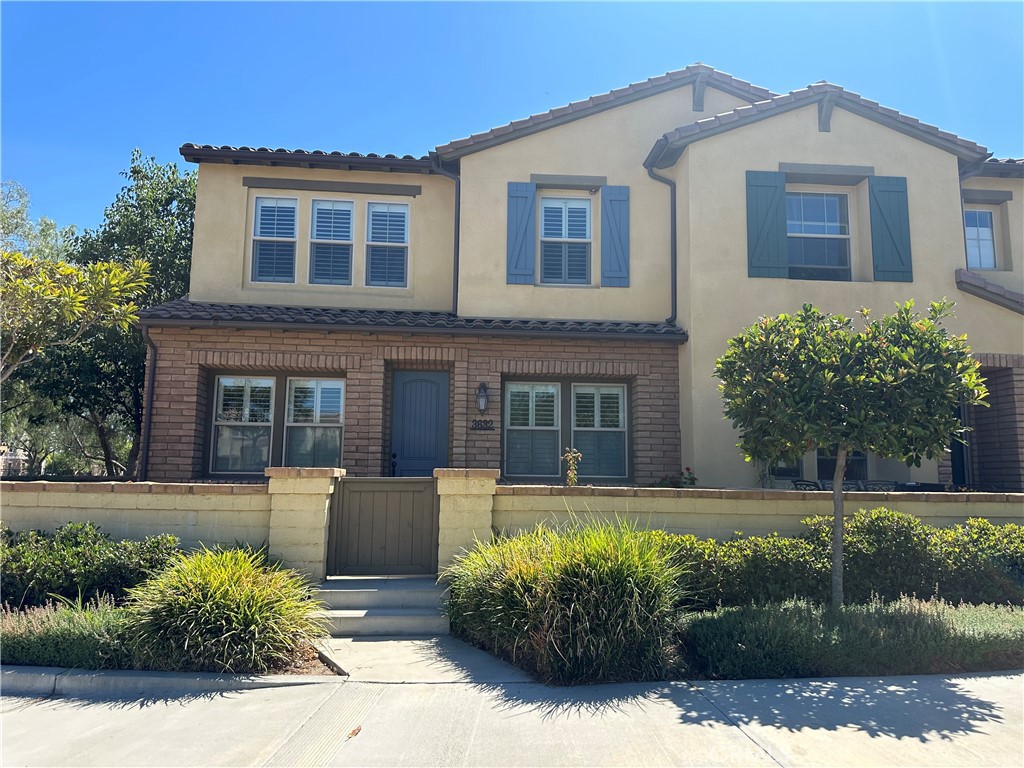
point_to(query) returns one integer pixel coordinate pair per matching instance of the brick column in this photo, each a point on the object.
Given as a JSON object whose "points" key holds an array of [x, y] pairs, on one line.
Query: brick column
{"points": [[300, 504], [466, 498]]}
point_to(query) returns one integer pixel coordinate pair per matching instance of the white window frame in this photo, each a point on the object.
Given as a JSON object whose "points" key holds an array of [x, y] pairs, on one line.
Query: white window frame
{"points": [[848, 237], [288, 423], [588, 241], [992, 229], [371, 243], [623, 428], [509, 387], [215, 422], [256, 237], [314, 240]]}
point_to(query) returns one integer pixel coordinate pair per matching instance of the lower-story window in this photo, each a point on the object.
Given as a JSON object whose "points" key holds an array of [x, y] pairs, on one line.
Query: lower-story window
{"points": [[542, 419], [261, 421]]}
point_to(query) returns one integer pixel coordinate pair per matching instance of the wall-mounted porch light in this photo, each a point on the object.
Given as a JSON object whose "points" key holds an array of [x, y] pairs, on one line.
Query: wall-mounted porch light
{"points": [[482, 398]]}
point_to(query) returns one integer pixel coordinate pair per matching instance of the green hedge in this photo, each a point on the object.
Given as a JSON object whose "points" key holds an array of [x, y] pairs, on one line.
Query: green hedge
{"points": [[800, 638], [78, 561], [587, 603], [885, 554]]}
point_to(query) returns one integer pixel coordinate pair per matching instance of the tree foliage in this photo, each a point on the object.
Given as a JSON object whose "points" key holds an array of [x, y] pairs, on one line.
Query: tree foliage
{"points": [[18, 232], [794, 383], [46, 303]]}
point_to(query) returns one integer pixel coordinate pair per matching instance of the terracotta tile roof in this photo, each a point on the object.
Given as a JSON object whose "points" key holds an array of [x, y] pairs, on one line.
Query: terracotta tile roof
{"points": [[668, 148], [578, 109], [1006, 167], [976, 285], [298, 157], [199, 314]]}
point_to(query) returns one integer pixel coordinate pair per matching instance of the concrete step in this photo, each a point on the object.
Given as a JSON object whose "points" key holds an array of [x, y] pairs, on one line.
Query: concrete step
{"points": [[386, 621], [356, 592]]}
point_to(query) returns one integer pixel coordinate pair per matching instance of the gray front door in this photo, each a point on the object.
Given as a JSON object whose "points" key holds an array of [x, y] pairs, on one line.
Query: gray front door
{"points": [[419, 423]]}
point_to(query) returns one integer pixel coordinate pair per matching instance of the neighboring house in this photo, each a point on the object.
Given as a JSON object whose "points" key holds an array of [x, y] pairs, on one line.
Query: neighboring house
{"points": [[569, 280]]}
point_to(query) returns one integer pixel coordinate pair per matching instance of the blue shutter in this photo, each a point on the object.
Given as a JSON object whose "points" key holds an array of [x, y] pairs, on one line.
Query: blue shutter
{"points": [[766, 224], [890, 229], [522, 233], [615, 236]]}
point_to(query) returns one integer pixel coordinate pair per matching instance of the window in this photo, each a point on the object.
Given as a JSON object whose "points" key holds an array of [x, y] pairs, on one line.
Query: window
{"points": [[314, 422], [599, 429], [532, 430], [330, 246], [565, 240], [979, 234], [242, 424], [818, 236], [856, 466], [387, 242], [273, 245]]}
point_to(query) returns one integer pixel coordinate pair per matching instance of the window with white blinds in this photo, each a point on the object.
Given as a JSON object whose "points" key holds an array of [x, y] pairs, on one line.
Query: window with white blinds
{"points": [[532, 429], [242, 424], [387, 244], [565, 240], [273, 246], [599, 429], [330, 245], [314, 422]]}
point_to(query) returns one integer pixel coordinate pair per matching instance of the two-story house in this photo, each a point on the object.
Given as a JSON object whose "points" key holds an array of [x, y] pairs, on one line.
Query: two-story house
{"points": [[568, 281]]}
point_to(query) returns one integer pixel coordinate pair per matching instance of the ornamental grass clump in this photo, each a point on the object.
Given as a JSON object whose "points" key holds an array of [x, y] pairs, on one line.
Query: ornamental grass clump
{"points": [[592, 602], [222, 611]]}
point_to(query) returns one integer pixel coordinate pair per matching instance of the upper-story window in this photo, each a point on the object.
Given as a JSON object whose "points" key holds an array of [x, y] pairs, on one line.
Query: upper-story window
{"points": [[565, 240], [330, 245], [387, 244], [273, 246], [979, 234], [818, 236]]}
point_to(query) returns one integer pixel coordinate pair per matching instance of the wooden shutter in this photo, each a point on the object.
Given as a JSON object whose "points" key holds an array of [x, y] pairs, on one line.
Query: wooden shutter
{"points": [[890, 229], [766, 224], [522, 233], [615, 236]]}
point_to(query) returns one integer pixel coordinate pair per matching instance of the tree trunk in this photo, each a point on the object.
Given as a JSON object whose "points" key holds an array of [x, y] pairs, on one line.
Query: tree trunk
{"points": [[837, 527], [104, 438]]}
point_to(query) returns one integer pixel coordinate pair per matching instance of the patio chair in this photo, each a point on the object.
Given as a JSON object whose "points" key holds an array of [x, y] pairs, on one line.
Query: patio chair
{"points": [[848, 485], [880, 485], [805, 485]]}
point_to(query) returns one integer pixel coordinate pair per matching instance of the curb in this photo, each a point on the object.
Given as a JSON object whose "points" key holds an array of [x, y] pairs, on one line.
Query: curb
{"points": [[58, 681]]}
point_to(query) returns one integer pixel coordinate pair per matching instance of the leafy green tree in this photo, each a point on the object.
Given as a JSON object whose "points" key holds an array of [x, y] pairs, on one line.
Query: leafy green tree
{"points": [[150, 218], [46, 303], [794, 383], [18, 232]]}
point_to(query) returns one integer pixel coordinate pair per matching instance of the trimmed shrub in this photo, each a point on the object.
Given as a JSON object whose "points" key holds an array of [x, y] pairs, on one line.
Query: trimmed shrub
{"points": [[981, 562], [802, 639], [592, 602], [770, 568], [87, 636], [78, 561], [222, 611]]}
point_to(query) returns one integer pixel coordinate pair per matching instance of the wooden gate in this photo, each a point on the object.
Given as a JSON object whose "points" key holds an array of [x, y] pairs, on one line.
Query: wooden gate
{"points": [[383, 525]]}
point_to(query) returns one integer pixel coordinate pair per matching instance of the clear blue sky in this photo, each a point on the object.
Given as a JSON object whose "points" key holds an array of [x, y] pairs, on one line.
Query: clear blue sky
{"points": [[84, 83]]}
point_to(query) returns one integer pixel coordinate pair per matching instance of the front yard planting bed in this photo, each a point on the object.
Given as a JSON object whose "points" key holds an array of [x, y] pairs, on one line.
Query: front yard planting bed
{"points": [[602, 602]]}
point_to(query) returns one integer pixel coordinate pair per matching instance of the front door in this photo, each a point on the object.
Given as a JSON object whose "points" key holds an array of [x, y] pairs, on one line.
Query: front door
{"points": [[419, 423]]}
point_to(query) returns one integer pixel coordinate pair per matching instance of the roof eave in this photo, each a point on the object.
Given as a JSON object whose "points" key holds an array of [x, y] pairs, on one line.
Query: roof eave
{"points": [[195, 154], [679, 338]]}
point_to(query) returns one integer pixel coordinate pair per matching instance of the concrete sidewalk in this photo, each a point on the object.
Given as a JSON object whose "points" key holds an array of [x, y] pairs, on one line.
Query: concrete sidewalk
{"points": [[439, 702]]}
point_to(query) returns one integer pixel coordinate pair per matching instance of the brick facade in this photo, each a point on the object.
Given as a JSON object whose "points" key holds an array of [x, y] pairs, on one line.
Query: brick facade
{"points": [[997, 439], [188, 358]]}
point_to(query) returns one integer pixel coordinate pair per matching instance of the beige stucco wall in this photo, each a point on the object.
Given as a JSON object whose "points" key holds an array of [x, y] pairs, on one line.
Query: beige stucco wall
{"points": [[717, 299], [1008, 219], [196, 513], [613, 144], [222, 244], [719, 514]]}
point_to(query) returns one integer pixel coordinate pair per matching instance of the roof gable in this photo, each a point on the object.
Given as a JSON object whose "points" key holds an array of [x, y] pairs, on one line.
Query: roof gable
{"points": [[699, 75], [668, 149]]}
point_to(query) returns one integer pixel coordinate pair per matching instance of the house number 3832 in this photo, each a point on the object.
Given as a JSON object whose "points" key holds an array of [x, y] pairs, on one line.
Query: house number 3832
{"points": [[485, 425]]}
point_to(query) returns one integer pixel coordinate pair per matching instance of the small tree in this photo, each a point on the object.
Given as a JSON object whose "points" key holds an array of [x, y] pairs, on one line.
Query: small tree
{"points": [[794, 383], [46, 303]]}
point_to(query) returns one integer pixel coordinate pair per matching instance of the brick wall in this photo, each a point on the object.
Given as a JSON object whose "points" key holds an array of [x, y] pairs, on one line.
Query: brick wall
{"points": [[188, 357], [998, 437]]}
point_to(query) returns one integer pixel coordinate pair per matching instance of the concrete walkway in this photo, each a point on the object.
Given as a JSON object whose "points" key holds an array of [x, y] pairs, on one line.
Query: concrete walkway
{"points": [[439, 702]]}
